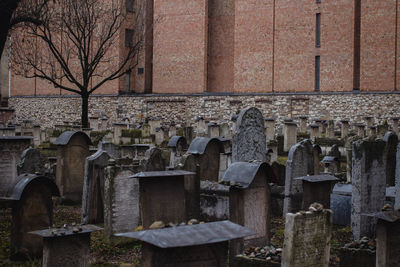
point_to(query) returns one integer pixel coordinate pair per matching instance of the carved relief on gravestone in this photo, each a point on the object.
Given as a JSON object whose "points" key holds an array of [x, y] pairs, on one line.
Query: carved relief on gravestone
{"points": [[300, 163], [368, 185], [93, 188], [249, 141], [391, 140]]}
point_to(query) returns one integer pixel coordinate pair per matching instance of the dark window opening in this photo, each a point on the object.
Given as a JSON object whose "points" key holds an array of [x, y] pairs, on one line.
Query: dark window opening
{"points": [[140, 70], [317, 73], [129, 5], [128, 38], [318, 30], [128, 81]]}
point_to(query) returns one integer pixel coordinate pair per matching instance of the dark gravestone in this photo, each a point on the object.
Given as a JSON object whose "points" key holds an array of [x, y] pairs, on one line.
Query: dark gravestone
{"points": [[391, 141], [162, 196], [32, 162], [249, 201], [110, 148], [191, 245], [72, 151], [153, 160], [249, 141], [30, 197], [397, 178], [66, 247], [300, 163], [93, 188], [317, 188], [369, 185], [341, 204], [207, 151], [190, 163]]}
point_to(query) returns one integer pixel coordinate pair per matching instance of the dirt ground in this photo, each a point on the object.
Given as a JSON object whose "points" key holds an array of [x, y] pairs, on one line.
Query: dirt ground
{"points": [[125, 252]]}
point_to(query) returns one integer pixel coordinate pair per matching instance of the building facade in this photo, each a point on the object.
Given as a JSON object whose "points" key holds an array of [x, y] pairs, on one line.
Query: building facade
{"points": [[255, 46]]}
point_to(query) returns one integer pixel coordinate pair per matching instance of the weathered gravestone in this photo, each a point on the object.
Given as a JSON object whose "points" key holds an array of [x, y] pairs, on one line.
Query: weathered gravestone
{"points": [[68, 246], [269, 124], [32, 162], [162, 196], [300, 163], [289, 135], [397, 174], [153, 160], [316, 151], [190, 245], [93, 188], [349, 156], [249, 141], [369, 185], [72, 150], [249, 201], [307, 239], [110, 148], [30, 197], [207, 152], [391, 141], [177, 145], [225, 130], [315, 133], [121, 199], [190, 163]]}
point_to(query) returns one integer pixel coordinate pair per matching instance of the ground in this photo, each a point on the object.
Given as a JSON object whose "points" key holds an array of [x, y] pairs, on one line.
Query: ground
{"points": [[125, 252]]}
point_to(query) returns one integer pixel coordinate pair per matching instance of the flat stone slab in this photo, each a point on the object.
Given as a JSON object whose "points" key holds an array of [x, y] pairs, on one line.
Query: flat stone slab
{"points": [[57, 232], [318, 178]]}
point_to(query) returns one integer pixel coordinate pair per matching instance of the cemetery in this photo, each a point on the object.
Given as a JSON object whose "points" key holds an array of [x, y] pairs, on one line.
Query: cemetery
{"points": [[250, 191]]}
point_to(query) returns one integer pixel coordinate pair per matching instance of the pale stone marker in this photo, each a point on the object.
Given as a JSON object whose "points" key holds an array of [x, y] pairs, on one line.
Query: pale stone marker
{"points": [[32, 162], [93, 188], [289, 135], [395, 125], [369, 185], [269, 124], [330, 130], [72, 150], [307, 239], [121, 204], [118, 127], [303, 124], [300, 163], [213, 130], [345, 128], [314, 131], [249, 141]]}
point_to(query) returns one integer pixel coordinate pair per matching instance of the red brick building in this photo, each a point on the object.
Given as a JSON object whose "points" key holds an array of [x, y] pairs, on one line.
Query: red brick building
{"points": [[258, 46]]}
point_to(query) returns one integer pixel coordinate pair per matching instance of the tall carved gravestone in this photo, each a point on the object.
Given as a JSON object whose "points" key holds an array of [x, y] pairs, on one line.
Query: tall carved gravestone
{"points": [[32, 162], [93, 188], [369, 185], [300, 163], [121, 199], [307, 239], [72, 150], [391, 141], [249, 141]]}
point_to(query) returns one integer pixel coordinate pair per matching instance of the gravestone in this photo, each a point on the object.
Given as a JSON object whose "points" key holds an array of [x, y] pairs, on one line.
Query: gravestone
{"points": [[154, 123], [345, 128], [391, 141], [289, 135], [190, 163], [11, 148], [300, 163], [68, 246], [177, 145], [72, 151], [153, 160], [110, 148], [369, 185], [94, 123], [307, 239], [341, 204], [32, 162], [201, 127], [161, 135], [249, 141], [316, 151], [360, 129], [269, 125], [315, 133], [349, 156], [121, 204], [188, 133], [207, 151], [330, 130], [397, 178], [395, 125], [249, 201], [225, 130], [303, 124], [118, 127], [213, 130], [93, 188]]}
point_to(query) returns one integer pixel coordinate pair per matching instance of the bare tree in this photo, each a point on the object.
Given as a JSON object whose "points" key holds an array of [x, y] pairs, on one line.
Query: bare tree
{"points": [[15, 12], [76, 46]]}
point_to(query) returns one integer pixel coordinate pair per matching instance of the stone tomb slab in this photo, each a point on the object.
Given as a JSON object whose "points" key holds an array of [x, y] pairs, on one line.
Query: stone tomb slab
{"points": [[249, 201], [190, 245], [307, 239], [66, 247], [317, 188], [162, 196]]}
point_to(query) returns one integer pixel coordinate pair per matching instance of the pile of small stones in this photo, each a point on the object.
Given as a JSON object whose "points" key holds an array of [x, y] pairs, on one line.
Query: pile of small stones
{"points": [[363, 243], [76, 228], [267, 253], [161, 224]]}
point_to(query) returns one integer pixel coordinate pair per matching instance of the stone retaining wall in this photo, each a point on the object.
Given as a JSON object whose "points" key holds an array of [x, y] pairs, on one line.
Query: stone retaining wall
{"points": [[49, 111]]}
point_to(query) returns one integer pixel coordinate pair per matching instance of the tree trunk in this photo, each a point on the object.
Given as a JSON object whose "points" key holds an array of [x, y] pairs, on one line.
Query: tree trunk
{"points": [[7, 8], [85, 109]]}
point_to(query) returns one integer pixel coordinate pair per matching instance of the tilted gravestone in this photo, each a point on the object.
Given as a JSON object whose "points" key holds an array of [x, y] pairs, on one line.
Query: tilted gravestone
{"points": [[32, 162], [300, 163], [249, 141], [72, 150], [369, 185], [93, 188], [307, 239], [121, 199], [391, 141]]}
